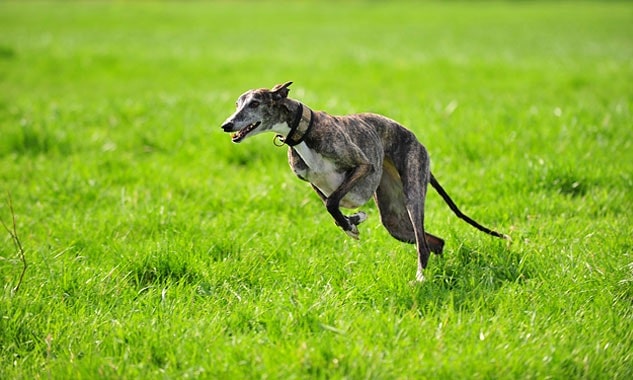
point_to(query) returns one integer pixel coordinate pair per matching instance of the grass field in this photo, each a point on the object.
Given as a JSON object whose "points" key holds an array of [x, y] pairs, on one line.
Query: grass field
{"points": [[156, 248]]}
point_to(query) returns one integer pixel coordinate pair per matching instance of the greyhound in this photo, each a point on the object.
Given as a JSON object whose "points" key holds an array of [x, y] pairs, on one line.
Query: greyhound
{"points": [[349, 159]]}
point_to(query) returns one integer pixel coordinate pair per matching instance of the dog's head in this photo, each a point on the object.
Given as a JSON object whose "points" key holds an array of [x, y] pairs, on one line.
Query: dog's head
{"points": [[258, 111]]}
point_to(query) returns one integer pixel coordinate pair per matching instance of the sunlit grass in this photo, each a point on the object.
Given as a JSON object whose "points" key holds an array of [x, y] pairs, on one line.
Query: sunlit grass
{"points": [[157, 248]]}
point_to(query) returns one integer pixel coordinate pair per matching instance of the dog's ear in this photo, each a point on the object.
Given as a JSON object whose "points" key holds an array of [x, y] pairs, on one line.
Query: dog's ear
{"points": [[281, 91]]}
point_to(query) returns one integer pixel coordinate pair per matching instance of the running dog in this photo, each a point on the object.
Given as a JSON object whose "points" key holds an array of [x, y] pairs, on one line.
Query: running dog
{"points": [[349, 159]]}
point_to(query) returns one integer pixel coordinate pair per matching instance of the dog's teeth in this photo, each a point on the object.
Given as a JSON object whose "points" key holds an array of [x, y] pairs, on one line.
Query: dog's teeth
{"points": [[239, 135]]}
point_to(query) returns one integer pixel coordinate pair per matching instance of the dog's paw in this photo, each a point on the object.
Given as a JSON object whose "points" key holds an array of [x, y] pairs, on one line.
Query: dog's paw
{"points": [[353, 232], [357, 218], [419, 277]]}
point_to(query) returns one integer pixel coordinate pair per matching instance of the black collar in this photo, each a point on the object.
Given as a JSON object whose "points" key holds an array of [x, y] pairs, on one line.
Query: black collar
{"points": [[300, 126]]}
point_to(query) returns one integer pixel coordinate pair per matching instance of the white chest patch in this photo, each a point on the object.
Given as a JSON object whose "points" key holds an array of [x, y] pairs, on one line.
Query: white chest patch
{"points": [[322, 172]]}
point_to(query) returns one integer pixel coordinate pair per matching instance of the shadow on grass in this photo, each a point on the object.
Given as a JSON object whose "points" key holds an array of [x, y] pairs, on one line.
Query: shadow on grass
{"points": [[468, 277], [161, 270], [564, 180]]}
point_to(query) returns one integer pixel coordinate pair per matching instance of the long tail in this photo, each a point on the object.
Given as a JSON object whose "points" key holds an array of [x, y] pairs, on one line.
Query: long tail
{"points": [[436, 185]]}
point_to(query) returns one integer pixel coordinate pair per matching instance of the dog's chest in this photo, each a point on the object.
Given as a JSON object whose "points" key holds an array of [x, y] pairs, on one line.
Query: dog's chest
{"points": [[317, 169]]}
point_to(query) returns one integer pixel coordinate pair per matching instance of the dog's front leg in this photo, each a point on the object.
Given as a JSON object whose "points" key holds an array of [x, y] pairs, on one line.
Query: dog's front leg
{"points": [[332, 203], [354, 219]]}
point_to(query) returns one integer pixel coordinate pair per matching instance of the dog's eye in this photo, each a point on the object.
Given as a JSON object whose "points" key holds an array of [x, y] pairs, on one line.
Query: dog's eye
{"points": [[254, 104]]}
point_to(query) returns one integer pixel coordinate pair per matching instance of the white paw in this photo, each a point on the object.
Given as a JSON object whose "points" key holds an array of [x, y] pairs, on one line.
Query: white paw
{"points": [[357, 218], [353, 233], [419, 277], [361, 217]]}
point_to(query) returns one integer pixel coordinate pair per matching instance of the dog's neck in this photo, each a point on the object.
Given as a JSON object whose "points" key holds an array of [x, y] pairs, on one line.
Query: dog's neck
{"points": [[298, 127]]}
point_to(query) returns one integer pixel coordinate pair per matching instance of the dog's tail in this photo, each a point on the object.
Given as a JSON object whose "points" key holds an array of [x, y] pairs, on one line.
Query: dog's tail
{"points": [[436, 185]]}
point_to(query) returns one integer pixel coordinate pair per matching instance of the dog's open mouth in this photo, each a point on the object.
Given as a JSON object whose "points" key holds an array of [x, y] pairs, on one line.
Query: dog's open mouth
{"points": [[239, 135]]}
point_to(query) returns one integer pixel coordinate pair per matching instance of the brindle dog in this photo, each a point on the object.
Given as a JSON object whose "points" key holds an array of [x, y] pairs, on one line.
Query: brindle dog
{"points": [[349, 159]]}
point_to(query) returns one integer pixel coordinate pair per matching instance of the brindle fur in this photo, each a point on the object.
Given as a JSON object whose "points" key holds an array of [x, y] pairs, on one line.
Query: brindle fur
{"points": [[350, 159]]}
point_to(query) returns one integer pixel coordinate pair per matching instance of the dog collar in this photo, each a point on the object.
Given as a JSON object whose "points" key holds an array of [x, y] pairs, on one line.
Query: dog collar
{"points": [[301, 124]]}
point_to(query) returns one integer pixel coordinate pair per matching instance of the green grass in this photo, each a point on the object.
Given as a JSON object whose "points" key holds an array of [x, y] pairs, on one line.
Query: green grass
{"points": [[158, 249]]}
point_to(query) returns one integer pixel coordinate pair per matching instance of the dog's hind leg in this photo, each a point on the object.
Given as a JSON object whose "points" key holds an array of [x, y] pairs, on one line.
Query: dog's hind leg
{"points": [[415, 208], [414, 172], [394, 216]]}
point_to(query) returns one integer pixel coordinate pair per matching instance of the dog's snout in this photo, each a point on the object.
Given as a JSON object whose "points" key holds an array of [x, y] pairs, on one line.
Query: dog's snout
{"points": [[228, 126]]}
